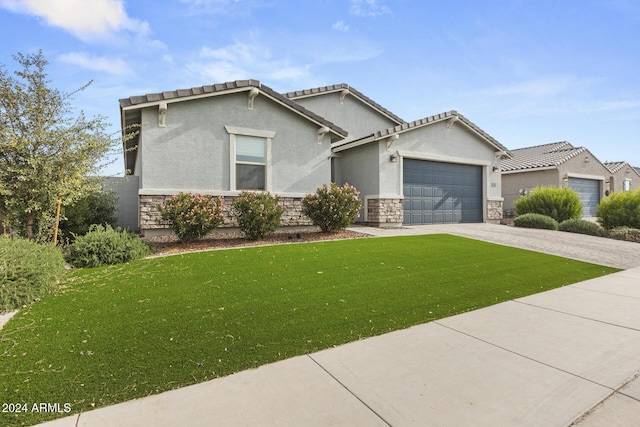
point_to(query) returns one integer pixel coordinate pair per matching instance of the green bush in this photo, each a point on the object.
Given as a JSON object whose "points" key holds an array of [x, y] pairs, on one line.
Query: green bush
{"points": [[28, 271], [96, 208], [258, 214], [192, 216], [534, 220], [332, 208], [103, 245], [560, 204], [625, 233], [620, 209], [581, 226]]}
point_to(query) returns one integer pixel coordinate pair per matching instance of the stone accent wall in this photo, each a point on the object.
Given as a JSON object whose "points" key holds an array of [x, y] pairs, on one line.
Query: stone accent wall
{"points": [[494, 210], [150, 215], [383, 212]]}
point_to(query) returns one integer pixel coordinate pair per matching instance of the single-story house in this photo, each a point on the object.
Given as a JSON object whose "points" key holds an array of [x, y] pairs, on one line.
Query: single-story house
{"points": [[243, 135], [624, 177], [558, 164]]}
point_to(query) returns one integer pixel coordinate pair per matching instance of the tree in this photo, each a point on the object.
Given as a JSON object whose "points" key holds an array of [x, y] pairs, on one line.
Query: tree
{"points": [[46, 154]]}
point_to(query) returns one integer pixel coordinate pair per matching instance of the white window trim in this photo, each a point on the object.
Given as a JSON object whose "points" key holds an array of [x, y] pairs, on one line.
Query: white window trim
{"points": [[258, 133]]}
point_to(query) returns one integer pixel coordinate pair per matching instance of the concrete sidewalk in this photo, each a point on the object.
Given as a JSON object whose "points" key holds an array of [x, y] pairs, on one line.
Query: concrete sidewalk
{"points": [[569, 355]]}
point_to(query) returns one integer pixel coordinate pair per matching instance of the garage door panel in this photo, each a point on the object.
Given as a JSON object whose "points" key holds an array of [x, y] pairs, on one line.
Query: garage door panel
{"points": [[449, 193], [589, 192]]}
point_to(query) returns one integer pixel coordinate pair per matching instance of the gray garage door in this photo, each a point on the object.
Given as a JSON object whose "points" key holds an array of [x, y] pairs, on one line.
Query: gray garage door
{"points": [[589, 192], [441, 193]]}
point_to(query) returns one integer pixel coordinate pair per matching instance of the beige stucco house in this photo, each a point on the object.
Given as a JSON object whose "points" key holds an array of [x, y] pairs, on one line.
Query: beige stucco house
{"points": [[624, 177], [558, 164]]}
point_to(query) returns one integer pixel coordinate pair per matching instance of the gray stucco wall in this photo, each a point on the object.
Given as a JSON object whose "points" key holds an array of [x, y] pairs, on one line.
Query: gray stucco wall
{"points": [[359, 167], [370, 169], [352, 115], [126, 189], [437, 142], [192, 153]]}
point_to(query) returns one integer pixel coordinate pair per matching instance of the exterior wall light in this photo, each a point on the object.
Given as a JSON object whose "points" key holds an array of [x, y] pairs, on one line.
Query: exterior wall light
{"points": [[496, 169], [393, 158]]}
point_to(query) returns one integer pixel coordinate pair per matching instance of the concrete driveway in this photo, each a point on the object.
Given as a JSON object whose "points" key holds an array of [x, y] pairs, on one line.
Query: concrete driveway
{"points": [[597, 250]]}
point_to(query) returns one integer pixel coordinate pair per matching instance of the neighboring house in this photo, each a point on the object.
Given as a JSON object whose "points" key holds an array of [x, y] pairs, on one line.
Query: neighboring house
{"points": [[242, 135], [440, 169], [559, 164], [624, 177]]}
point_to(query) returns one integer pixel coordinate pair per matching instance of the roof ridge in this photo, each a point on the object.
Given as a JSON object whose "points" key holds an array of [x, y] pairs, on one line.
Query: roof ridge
{"points": [[304, 93]]}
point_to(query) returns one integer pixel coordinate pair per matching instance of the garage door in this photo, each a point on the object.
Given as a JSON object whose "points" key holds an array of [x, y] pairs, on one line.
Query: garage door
{"points": [[589, 192], [441, 193]]}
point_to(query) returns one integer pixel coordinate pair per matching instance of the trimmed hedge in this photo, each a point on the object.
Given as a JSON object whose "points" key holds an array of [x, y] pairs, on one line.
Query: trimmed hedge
{"points": [[332, 208], [103, 245], [258, 214], [625, 233], [534, 220], [28, 272], [620, 210], [581, 226], [560, 204]]}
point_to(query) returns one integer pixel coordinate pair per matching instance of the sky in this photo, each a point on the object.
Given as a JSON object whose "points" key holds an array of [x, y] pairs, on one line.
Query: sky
{"points": [[526, 72]]}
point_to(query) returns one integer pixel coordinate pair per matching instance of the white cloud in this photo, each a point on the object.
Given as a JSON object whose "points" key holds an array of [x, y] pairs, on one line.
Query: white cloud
{"points": [[341, 26], [84, 19], [96, 63], [243, 61], [368, 8]]}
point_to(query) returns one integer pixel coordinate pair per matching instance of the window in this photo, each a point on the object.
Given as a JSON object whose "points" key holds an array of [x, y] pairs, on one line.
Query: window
{"points": [[250, 159], [250, 163], [626, 185]]}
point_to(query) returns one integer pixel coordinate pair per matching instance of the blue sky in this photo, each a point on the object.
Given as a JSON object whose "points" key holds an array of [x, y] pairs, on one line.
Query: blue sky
{"points": [[527, 72]]}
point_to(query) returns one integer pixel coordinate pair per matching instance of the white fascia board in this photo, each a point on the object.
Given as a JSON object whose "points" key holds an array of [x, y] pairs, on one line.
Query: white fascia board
{"points": [[546, 168], [185, 98]]}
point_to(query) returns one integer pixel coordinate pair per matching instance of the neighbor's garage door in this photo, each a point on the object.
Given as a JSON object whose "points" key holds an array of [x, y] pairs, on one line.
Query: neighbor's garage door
{"points": [[441, 193], [589, 192]]}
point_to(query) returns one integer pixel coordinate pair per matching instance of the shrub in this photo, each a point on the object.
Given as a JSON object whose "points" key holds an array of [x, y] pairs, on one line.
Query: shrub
{"points": [[28, 271], [332, 208], [620, 210], [192, 216], [534, 220], [258, 214], [560, 204], [96, 208], [103, 245], [581, 226], [625, 233]]}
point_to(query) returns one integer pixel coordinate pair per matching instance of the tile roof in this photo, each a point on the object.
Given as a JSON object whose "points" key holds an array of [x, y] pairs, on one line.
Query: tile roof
{"points": [[339, 88], [615, 166], [238, 85], [541, 156], [420, 123]]}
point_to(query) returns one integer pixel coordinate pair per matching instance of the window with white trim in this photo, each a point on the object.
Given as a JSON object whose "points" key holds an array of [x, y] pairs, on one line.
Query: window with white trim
{"points": [[250, 159], [251, 165], [626, 185]]}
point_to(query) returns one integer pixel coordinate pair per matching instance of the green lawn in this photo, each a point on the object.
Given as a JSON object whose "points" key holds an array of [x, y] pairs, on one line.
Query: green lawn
{"points": [[121, 332]]}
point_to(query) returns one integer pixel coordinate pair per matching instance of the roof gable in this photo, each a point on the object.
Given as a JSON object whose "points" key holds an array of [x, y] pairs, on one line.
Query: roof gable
{"points": [[345, 90], [541, 156], [449, 116], [135, 103]]}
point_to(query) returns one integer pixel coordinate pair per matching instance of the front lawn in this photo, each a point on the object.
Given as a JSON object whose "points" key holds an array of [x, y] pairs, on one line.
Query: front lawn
{"points": [[120, 332]]}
